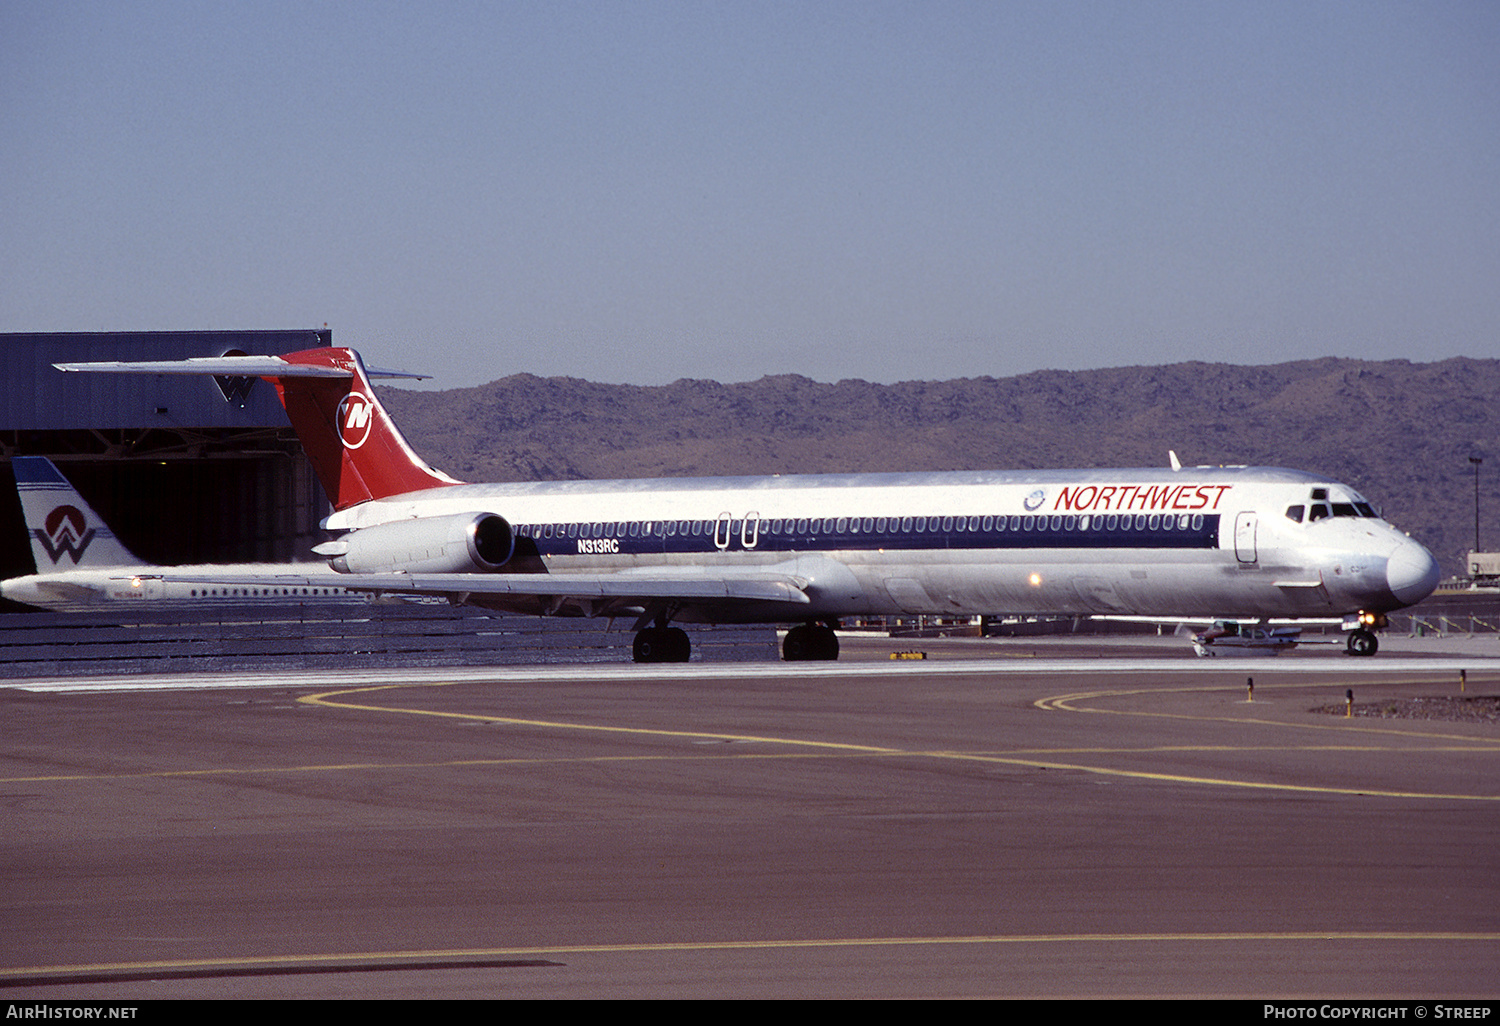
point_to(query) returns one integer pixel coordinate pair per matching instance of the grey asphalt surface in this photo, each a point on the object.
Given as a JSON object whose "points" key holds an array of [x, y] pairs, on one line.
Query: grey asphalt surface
{"points": [[953, 828]]}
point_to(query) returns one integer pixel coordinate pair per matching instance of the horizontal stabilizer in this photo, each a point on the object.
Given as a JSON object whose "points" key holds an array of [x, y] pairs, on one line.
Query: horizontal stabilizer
{"points": [[357, 452], [231, 366]]}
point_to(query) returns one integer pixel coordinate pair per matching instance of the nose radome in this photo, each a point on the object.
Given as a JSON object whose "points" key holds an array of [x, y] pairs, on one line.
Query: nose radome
{"points": [[1411, 573]]}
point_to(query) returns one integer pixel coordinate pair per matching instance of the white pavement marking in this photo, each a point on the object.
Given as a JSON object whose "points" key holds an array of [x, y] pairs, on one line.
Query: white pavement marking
{"points": [[723, 671]]}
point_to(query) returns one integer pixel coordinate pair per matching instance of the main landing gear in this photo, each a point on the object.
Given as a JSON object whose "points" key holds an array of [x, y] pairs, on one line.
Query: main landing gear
{"points": [[811, 641], [662, 644]]}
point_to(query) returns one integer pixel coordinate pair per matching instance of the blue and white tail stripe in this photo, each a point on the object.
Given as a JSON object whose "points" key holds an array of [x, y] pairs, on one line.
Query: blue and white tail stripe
{"points": [[34, 472], [64, 530]]}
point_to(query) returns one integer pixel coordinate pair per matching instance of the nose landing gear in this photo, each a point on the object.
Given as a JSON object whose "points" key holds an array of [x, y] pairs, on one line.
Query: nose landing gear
{"points": [[1362, 640]]}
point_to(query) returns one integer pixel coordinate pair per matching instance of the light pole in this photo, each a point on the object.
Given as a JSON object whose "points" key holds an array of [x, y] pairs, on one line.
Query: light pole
{"points": [[1476, 460]]}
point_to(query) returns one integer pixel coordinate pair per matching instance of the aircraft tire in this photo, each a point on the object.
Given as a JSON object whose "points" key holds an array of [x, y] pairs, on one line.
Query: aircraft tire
{"points": [[646, 647], [662, 645], [810, 642], [1362, 643], [679, 648]]}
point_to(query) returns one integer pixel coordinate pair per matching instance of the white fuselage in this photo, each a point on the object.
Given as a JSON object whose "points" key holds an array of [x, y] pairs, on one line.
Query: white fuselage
{"points": [[1218, 541], [209, 583]]}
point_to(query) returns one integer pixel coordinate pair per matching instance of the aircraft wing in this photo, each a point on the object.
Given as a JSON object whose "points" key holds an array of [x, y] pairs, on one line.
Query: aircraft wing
{"points": [[619, 588], [59, 591]]}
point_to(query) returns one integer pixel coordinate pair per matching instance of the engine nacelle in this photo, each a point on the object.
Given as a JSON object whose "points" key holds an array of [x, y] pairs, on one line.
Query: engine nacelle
{"points": [[461, 543]]}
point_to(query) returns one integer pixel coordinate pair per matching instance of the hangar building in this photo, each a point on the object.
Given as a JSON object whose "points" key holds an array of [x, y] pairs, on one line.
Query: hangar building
{"points": [[184, 469]]}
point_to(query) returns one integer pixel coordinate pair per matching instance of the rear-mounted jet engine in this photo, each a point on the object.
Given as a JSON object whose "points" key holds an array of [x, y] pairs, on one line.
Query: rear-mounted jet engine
{"points": [[456, 544]]}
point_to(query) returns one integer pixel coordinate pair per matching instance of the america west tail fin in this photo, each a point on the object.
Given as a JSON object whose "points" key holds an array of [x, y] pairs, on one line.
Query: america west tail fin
{"points": [[64, 530], [356, 450]]}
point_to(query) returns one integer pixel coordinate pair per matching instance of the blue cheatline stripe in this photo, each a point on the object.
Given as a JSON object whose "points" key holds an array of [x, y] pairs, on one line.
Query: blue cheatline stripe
{"points": [[1133, 531]]}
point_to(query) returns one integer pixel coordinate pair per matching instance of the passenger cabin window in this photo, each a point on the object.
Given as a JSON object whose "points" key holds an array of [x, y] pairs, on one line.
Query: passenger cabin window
{"points": [[1294, 514]]}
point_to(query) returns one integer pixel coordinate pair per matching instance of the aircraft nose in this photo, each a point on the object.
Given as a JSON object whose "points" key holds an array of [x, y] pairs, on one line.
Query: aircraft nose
{"points": [[1411, 573]]}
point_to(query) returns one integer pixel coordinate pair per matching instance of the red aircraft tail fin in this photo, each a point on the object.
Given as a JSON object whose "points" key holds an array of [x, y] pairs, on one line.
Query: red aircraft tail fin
{"points": [[355, 448]]}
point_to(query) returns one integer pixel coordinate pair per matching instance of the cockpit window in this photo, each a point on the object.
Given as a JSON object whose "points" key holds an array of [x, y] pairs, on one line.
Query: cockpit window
{"points": [[1352, 505]]}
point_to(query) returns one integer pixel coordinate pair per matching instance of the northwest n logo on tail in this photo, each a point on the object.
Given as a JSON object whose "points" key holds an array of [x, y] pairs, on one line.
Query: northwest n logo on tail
{"points": [[355, 415], [65, 531]]}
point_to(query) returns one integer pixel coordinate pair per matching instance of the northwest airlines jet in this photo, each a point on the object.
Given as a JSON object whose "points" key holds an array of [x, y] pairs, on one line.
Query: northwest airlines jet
{"points": [[1207, 542]]}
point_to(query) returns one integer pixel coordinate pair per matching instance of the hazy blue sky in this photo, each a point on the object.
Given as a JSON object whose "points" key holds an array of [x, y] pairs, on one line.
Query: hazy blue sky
{"points": [[644, 191]]}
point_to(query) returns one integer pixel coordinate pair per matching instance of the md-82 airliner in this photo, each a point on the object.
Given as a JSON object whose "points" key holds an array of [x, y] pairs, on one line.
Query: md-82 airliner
{"points": [[1205, 542]]}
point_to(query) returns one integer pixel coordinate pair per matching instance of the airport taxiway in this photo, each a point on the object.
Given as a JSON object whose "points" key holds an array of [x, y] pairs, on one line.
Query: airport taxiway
{"points": [[1068, 822]]}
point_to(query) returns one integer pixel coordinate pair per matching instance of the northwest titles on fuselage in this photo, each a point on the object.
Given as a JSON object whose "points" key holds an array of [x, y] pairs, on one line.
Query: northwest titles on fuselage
{"points": [[1151, 498]]}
